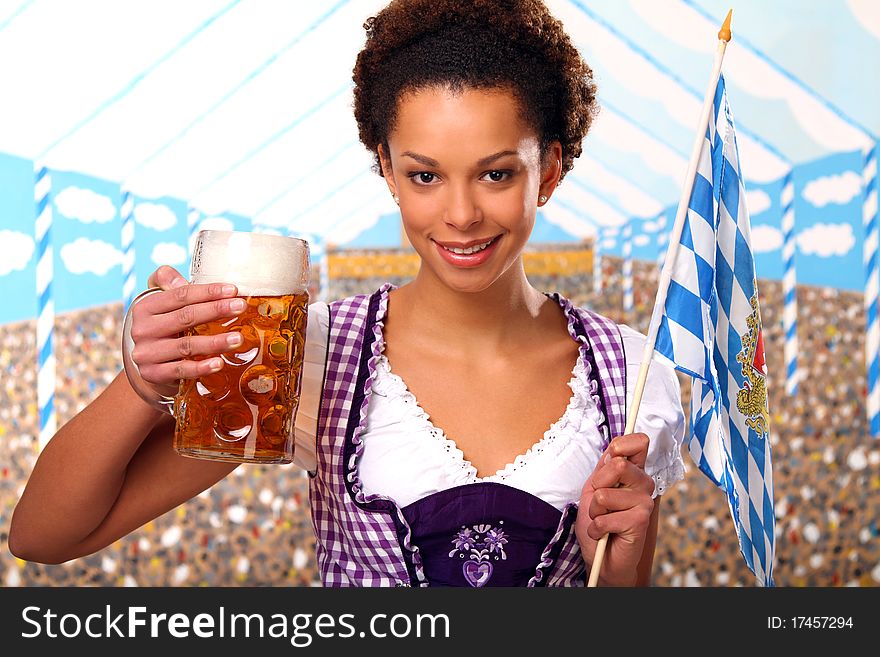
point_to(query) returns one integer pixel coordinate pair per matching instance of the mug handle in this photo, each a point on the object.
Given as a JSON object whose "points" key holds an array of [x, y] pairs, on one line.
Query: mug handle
{"points": [[141, 387]]}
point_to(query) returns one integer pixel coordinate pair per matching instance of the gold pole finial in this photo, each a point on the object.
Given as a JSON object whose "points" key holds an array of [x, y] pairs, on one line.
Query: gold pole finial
{"points": [[724, 33]]}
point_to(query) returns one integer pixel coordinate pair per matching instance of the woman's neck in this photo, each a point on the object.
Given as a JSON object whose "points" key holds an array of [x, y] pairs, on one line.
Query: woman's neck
{"points": [[502, 314]]}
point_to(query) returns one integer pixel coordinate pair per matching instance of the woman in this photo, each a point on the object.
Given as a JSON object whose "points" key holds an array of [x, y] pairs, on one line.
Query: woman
{"points": [[432, 458]]}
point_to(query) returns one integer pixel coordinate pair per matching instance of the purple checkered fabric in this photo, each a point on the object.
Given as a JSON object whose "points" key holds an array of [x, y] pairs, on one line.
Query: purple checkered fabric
{"points": [[364, 540], [601, 345], [358, 544]]}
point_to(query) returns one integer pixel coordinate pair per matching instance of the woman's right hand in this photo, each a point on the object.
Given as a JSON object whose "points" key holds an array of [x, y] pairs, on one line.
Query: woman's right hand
{"points": [[162, 352], [98, 478]]}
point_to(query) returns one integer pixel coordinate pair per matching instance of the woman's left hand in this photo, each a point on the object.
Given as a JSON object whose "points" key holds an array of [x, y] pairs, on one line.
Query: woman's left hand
{"points": [[616, 500]]}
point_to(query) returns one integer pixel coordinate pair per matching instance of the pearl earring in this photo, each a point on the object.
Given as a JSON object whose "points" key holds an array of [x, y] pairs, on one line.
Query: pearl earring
{"points": [[542, 199], [396, 198]]}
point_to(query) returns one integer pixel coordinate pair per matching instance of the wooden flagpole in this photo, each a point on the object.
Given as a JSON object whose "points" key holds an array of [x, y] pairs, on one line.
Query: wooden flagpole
{"points": [[724, 36]]}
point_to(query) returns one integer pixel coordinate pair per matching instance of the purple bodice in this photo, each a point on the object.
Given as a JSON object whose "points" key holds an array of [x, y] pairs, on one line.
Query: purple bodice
{"points": [[368, 540], [483, 534]]}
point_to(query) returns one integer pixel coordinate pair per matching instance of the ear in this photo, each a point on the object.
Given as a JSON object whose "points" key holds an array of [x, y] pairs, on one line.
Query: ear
{"points": [[551, 170], [387, 171]]}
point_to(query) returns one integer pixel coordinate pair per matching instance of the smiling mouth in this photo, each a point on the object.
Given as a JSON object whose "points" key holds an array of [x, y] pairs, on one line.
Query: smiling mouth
{"points": [[476, 248]]}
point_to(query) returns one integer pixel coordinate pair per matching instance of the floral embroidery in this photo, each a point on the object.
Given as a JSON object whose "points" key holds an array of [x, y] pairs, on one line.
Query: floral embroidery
{"points": [[464, 540], [496, 540], [481, 544]]}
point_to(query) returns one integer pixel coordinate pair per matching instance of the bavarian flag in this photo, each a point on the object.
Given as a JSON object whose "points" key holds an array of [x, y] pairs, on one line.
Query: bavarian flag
{"points": [[711, 330]]}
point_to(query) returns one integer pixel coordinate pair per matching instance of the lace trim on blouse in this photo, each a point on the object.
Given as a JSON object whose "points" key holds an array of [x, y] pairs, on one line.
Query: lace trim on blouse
{"points": [[668, 475], [580, 411], [575, 432]]}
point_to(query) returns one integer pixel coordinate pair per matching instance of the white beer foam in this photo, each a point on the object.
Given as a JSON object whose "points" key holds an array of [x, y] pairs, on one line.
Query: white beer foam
{"points": [[257, 263]]}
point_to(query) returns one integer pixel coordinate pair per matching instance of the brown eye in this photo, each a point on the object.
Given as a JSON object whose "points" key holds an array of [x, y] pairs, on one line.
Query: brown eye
{"points": [[426, 178], [498, 176]]}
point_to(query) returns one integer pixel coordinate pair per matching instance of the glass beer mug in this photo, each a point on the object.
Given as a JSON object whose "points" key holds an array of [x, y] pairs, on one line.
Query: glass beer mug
{"points": [[245, 412]]}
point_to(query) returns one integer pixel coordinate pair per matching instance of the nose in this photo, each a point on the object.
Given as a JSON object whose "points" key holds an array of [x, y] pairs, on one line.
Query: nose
{"points": [[462, 210]]}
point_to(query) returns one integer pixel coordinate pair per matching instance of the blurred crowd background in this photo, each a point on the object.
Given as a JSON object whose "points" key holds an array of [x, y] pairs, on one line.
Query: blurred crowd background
{"points": [[253, 528]]}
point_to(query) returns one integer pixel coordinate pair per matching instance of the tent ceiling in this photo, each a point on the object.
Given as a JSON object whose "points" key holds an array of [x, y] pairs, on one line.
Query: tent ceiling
{"points": [[244, 105]]}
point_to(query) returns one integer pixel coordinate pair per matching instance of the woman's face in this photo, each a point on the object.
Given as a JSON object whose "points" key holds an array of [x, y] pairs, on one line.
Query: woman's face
{"points": [[468, 172]]}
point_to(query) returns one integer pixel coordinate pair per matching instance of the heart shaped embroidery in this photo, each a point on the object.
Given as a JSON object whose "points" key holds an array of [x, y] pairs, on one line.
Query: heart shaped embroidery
{"points": [[477, 574]]}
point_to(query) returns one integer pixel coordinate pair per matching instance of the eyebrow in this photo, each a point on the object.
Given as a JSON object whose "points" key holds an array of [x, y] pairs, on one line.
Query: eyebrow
{"points": [[430, 162]]}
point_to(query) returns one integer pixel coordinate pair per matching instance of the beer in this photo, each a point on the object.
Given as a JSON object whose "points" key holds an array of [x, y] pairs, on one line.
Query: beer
{"points": [[245, 411]]}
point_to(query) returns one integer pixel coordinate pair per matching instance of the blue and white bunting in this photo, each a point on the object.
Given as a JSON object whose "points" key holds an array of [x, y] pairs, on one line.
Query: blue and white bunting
{"points": [[628, 303], [789, 288], [872, 288], [45, 306], [128, 250]]}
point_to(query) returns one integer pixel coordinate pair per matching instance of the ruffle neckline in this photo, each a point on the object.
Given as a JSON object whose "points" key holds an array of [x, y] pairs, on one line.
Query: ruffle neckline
{"points": [[580, 410]]}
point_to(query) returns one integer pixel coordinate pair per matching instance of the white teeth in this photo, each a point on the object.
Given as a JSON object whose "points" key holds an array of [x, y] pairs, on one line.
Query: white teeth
{"points": [[469, 250]]}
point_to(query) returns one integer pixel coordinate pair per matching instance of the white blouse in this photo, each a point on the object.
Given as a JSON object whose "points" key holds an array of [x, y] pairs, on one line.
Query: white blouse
{"points": [[405, 457]]}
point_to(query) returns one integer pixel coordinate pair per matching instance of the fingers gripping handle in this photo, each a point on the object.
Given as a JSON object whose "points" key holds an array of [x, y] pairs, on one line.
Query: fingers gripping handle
{"points": [[144, 390]]}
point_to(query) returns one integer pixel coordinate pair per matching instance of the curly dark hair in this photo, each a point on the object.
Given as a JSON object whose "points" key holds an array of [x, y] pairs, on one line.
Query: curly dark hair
{"points": [[513, 44]]}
